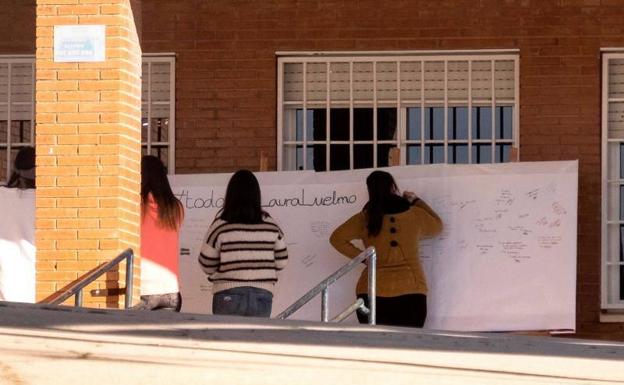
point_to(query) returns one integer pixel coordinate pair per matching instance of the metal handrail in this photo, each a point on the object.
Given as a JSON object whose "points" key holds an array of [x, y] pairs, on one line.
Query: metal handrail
{"points": [[368, 254], [76, 287]]}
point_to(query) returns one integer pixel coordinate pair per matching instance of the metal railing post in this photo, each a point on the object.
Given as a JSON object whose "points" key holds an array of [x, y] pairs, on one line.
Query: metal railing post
{"points": [[129, 276], [325, 305], [76, 288], [359, 304], [78, 299], [323, 289], [372, 288]]}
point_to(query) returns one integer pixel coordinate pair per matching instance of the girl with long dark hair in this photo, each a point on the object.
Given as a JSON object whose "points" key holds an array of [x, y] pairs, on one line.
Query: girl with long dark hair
{"points": [[393, 224], [161, 217], [243, 251]]}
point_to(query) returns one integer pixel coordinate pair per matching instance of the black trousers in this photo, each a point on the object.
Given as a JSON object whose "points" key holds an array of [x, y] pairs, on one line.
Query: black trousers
{"points": [[405, 310]]}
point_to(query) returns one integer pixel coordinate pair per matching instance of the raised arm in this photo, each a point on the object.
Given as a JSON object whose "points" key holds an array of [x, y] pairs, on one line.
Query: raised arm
{"points": [[431, 222]]}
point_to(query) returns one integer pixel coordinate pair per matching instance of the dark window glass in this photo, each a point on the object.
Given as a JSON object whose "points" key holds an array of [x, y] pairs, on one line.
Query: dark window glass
{"points": [[504, 122], [621, 283], [458, 153], [338, 157], [383, 153], [502, 152], [434, 123], [481, 123], [413, 154], [362, 156], [434, 153], [621, 161], [458, 123], [339, 125], [316, 124], [363, 124], [386, 123], [413, 123], [481, 153]]}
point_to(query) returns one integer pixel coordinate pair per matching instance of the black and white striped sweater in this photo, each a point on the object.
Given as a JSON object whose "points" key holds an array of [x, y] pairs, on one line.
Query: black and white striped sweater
{"points": [[236, 254]]}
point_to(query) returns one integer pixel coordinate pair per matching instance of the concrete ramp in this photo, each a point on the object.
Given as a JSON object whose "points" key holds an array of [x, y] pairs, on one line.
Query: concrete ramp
{"points": [[60, 345]]}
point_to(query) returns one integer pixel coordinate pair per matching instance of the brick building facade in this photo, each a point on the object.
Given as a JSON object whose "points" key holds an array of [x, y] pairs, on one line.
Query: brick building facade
{"points": [[226, 79]]}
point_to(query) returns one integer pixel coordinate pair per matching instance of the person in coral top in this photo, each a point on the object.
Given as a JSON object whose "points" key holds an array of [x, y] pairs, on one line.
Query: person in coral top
{"points": [[162, 214]]}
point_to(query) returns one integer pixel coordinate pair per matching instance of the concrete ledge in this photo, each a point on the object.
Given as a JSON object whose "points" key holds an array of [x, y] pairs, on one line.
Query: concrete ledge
{"points": [[60, 345], [612, 317]]}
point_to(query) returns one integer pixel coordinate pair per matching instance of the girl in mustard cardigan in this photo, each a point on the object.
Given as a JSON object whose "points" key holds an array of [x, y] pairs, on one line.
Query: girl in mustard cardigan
{"points": [[394, 225]]}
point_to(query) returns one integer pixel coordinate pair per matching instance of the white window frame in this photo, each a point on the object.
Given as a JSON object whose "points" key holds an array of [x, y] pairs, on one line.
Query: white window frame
{"points": [[401, 105], [11, 60], [606, 182], [169, 58], [146, 58]]}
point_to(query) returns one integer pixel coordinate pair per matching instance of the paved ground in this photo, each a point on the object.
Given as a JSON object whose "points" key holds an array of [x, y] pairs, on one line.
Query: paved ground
{"points": [[53, 345]]}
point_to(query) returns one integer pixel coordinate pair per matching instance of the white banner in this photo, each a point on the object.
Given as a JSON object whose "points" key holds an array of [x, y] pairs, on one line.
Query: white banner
{"points": [[17, 245], [505, 261]]}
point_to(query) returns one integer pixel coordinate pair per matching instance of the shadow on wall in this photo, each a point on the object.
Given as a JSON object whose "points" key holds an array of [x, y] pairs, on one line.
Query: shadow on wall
{"points": [[111, 292]]}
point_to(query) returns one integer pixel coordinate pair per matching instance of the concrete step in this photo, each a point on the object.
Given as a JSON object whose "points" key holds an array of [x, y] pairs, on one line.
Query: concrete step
{"points": [[62, 345]]}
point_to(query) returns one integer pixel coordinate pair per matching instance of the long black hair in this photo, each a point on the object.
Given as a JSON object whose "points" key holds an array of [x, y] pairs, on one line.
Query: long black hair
{"points": [[243, 202], [23, 176], [382, 191], [154, 180]]}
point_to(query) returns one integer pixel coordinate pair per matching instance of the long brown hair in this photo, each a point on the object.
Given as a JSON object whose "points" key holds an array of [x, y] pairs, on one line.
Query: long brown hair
{"points": [[154, 181]]}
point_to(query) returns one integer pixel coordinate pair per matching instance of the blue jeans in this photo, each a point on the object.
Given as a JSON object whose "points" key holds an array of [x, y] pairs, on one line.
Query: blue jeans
{"points": [[243, 301]]}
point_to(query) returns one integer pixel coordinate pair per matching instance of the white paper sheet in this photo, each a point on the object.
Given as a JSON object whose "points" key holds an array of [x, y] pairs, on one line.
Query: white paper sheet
{"points": [[505, 261]]}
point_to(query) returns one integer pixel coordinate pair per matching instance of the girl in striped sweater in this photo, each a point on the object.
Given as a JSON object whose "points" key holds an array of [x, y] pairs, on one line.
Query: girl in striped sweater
{"points": [[243, 251]]}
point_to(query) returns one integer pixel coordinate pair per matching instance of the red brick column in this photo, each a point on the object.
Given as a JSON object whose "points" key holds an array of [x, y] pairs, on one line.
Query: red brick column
{"points": [[88, 149]]}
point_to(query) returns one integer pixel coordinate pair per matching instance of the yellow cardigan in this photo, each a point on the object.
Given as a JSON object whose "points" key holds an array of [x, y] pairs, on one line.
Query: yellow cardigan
{"points": [[399, 270]]}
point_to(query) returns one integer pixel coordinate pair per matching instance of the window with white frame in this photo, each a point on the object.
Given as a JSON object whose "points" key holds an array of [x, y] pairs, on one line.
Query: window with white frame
{"points": [[347, 111], [612, 181], [17, 90], [158, 108], [16, 109]]}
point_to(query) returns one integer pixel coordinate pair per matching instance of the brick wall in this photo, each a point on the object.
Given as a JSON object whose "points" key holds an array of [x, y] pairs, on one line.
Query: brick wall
{"points": [[226, 79], [88, 149]]}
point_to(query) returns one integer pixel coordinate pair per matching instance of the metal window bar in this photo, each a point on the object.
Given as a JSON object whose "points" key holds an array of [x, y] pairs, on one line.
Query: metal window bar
{"points": [[375, 112], [76, 289], [327, 118], [304, 154], [612, 266], [446, 107], [149, 108], [470, 160], [443, 103], [367, 255], [493, 112], [422, 112], [398, 134], [351, 116], [8, 123]]}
